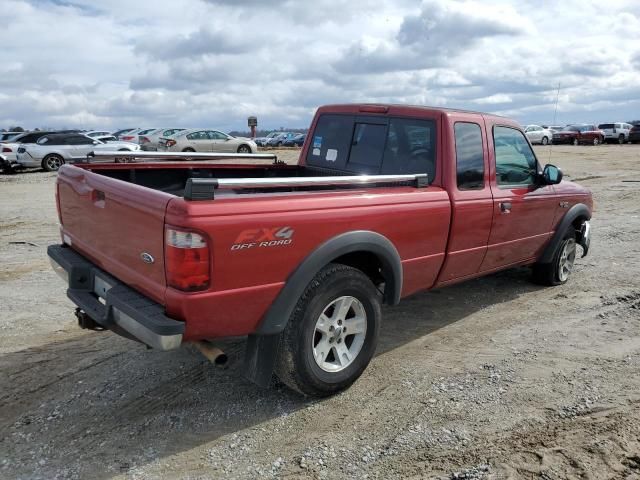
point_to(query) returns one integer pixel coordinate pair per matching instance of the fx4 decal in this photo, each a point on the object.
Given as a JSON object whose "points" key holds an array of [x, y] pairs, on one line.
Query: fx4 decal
{"points": [[263, 237]]}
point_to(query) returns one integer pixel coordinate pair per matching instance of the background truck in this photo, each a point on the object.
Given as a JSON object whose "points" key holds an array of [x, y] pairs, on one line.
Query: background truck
{"points": [[385, 201]]}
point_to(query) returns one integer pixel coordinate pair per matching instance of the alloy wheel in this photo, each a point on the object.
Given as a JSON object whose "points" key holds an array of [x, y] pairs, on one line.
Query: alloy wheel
{"points": [[567, 258]]}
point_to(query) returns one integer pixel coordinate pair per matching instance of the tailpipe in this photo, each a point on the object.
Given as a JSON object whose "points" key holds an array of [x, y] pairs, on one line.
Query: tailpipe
{"points": [[211, 352]]}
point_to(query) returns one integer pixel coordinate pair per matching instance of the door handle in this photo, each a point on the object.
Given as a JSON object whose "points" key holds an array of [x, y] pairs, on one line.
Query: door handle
{"points": [[505, 207]]}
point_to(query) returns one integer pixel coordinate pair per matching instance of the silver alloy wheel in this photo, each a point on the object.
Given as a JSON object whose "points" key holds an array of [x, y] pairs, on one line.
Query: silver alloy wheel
{"points": [[545, 140], [244, 149], [54, 162], [576, 142], [339, 334], [567, 257], [596, 141]]}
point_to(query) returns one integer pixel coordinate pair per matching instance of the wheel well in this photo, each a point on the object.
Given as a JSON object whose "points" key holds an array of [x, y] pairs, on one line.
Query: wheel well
{"points": [[577, 224], [367, 262]]}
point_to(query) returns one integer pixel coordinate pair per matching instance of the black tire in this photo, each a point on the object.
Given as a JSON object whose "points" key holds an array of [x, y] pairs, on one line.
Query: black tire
{"points": [[52, 162], [296, 366], [549, 273], [188, 149], [244, 149], [621, 139], [545, 140]]}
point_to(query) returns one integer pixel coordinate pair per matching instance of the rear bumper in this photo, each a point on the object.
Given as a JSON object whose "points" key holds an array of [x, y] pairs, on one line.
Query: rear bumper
{"points": [[112, 304]]}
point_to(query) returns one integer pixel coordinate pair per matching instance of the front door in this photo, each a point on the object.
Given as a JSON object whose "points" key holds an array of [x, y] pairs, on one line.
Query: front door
{"points": [[523, 210]]}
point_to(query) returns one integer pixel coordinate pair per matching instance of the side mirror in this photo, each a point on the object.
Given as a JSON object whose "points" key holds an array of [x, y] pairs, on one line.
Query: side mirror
{"points": [[551, 174]]}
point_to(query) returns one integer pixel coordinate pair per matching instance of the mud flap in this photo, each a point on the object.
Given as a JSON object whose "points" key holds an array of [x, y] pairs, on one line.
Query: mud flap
{"points": [[260, 358]]}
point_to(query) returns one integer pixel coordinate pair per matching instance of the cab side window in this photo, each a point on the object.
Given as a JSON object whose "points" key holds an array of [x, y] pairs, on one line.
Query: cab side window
{"points": [[516, 165], [469, 156]]}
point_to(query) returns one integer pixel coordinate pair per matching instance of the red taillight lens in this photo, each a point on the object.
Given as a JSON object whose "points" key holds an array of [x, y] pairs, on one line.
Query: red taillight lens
{"points": [[186, 260], [171, 143], [126, 138], [144, 140], [6, 150]]}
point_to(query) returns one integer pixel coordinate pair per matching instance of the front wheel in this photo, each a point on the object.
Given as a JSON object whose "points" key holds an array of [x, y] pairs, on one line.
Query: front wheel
{"points": [[558, 271], [545, 141], [332, 332], [596, 141], [244, 149], [576, 142], [621, 139], [52, 163]]}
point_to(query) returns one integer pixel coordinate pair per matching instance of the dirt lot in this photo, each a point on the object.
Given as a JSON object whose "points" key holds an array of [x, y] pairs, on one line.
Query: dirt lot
{"points": [[495, 378]]}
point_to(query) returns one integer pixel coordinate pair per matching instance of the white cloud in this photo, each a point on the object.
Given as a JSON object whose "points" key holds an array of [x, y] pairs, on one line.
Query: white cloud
{"points": [[214, 62]]}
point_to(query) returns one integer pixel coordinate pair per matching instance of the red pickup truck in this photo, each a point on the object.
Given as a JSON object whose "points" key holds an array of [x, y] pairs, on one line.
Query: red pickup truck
{"points": [[385, 201]]}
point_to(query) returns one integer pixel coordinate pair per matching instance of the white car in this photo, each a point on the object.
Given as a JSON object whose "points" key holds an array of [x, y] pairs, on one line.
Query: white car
{"points": [[538, 134], [149, 141], [616, 132], [52, 151], [134, 135], [204, 140]]}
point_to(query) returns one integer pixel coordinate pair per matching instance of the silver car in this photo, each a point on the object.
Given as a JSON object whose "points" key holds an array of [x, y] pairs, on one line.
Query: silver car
{"points": [[538, 134], [204, 140], [52, 151], [149, 141]]}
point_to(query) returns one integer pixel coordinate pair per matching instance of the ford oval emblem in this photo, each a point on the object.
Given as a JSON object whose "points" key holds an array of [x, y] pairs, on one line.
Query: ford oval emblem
{"points": [[147, 258]]}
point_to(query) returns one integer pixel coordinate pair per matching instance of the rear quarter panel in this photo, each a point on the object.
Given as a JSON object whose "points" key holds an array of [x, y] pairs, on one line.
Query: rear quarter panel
{"points": [[246, 281]]}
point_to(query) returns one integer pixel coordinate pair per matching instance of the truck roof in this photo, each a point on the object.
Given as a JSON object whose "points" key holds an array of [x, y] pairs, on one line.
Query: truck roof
{"points": [[398, 109]]}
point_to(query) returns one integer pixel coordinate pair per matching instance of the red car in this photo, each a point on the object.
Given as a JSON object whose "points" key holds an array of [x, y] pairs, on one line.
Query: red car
{"points": [[385, 201], [579, 135]]}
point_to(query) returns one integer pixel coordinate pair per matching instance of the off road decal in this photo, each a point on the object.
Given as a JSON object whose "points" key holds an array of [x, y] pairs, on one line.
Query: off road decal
{"points": [[263, 237]]}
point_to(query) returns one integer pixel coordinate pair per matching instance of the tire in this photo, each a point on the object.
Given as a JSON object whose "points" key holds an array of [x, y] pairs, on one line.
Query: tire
{"points": [[188, 149], [279, 144], [558, 271], [596, 141], [52, 162], [621, 139], [244, 149], [325, 373], [545, 141], [576, 142]]}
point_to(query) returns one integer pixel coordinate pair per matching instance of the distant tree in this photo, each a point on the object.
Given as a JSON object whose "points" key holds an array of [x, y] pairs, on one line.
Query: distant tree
{"points": [[16, 129]]}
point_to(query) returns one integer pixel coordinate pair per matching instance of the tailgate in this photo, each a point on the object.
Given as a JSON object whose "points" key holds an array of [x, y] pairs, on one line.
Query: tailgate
{"points": [[117, 225]]}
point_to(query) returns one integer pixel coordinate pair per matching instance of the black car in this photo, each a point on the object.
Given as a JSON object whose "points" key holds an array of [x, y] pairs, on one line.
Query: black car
{"points": [[295, 141], [634, 133]]}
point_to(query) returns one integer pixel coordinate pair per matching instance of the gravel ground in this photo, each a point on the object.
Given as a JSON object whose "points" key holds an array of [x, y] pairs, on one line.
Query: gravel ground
{"points": [[494, 378]]}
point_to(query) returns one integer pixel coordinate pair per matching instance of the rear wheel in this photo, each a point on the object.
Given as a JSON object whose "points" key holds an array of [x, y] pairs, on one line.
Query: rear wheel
{"points": [[244, 149], [53, 162], [558, 271], [332, 333], [596, 141], [576, 142]]}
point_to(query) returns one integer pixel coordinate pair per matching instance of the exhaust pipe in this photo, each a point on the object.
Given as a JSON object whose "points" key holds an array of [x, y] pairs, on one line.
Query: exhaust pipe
{"points": [[211, 352]]}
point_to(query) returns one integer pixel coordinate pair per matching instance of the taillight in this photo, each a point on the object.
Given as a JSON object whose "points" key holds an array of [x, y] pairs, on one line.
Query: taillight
{"points": [[170, 143], [144, 140], [186, 260], [6, 150], [126, 138]]}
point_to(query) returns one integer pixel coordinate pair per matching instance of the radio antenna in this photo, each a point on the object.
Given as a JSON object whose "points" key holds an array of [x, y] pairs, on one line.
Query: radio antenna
{"points": [[555, 114]]}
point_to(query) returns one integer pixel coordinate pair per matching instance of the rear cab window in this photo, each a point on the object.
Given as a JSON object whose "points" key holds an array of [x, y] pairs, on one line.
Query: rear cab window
{"points": [[469, 156], [364, 144]]}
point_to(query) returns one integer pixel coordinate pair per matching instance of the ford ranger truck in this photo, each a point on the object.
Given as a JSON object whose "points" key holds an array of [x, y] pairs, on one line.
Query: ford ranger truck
{"points": [[385, 201]]}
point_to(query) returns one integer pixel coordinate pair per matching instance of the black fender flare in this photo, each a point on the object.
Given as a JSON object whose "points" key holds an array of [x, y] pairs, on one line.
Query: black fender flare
{"points": [[579, 210], [278, 314], [262, 345]]}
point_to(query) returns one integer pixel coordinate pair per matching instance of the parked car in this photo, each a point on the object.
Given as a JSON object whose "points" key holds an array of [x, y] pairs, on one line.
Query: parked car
{"points": [[279, 140], [634, 133], [134, 135], [295, 141], [579, 134], [203, 140], [300, 258], [538, 134], [555, 128], [7, 136], [97, 133], [616, 132], [10, 148], [262, 141], [150, 140], [53, 150], [118, 133]]}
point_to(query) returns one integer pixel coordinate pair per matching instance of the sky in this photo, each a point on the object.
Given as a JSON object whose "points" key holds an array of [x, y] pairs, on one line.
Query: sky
{"points": [[211, 63]]}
